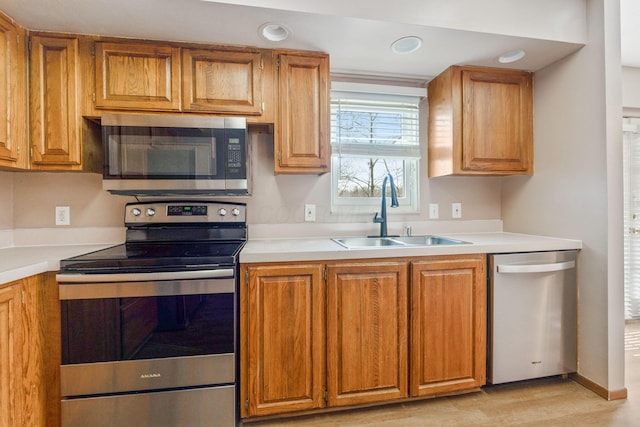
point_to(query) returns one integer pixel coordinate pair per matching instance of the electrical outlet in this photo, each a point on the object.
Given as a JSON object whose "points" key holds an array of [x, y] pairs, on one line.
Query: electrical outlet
{"points": [[309, 213], [63, 215], [433, 211], [456, 210]]}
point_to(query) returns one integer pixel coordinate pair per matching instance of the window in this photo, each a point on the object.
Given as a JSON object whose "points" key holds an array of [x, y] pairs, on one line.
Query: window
{"points": [[373, 134]]}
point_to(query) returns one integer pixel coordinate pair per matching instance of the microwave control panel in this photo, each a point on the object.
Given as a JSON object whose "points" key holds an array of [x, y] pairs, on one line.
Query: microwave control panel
{"points": [[236, 154]]}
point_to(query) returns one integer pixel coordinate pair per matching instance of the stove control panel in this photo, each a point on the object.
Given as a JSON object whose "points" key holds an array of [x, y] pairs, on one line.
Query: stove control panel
{"points": [[187, 210], [179, 212]]}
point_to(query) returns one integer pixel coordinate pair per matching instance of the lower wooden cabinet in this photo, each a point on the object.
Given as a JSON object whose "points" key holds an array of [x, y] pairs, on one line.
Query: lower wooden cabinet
{"points": [[10, 355], [366, 332], [282, 339], [348, 333], [448, 325], [29, 354]]}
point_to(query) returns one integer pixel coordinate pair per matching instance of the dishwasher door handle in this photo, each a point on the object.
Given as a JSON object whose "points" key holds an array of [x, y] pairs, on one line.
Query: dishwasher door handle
{"points": [[536, 268]]}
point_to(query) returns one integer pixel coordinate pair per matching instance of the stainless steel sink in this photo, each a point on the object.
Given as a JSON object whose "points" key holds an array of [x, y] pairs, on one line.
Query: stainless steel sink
{"points": [[367, 242], [403, 241], [428, 240]]}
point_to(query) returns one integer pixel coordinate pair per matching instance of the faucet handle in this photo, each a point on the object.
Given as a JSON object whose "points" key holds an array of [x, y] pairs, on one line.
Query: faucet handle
{"points": [[377, 218]]}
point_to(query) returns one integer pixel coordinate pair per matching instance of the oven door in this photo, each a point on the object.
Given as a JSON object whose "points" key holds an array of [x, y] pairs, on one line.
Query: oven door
{"points": [[157, 332]]}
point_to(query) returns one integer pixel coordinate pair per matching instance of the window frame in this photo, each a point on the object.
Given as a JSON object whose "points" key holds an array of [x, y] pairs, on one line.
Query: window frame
{"points": [[410, 201]]}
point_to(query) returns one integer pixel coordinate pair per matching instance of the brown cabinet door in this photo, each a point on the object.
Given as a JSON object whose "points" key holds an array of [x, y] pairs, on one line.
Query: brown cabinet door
{"points": [[282, 341], [448, 324], [137, 76], [54, 120], [219, 81], [497, 127], [10, 360], [480, 122], [302, 128], [13, 92], [366, 332]]}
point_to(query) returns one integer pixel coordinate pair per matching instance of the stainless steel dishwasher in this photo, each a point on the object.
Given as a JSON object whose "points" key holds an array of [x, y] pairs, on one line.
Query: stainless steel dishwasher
{"points": [[532, 309]]}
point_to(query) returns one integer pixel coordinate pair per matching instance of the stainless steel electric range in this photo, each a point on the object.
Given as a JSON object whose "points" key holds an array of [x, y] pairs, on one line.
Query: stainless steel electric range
{"points": [[149, 327]]}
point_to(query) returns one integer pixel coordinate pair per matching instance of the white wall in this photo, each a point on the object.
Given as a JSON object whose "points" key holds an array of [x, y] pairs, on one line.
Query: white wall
{"points": [[280, 199], [576, 191], [276, 199], [631, 88], [6, 200], [36, 194], [523, 18]]}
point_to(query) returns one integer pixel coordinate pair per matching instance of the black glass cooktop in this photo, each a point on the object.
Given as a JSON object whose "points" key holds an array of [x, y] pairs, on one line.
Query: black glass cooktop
{"points": [[157, 256]]}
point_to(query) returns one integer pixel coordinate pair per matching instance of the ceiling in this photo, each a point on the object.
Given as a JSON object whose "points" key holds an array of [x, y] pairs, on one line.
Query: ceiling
{"points": [[357, 45]]}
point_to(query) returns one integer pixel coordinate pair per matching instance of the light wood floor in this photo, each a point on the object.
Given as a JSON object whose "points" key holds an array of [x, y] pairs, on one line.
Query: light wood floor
{"points": [[545, 402]]}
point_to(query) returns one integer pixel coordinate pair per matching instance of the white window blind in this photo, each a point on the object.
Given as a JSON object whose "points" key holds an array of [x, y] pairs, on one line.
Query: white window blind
{"points": [[631, 167]]}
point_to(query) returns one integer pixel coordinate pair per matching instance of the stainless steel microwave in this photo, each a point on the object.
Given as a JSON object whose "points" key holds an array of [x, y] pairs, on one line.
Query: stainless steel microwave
{"points": [[149, 155]]}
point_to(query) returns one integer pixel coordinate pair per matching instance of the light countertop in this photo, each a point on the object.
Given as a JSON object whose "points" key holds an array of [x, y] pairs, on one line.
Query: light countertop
{"points": [[23, 261], [316, 249]]}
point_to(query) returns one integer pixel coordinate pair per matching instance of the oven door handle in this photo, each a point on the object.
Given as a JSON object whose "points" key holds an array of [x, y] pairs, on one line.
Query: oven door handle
{"points": [[71, 291], [144, 277]]}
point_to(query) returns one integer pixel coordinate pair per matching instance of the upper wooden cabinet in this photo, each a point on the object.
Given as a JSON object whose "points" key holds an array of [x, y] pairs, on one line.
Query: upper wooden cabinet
{"points": [[162, 77], [366, 332], [448, 324], [13, 93], [54, 117], [301, 137], [221, 81], [480, 122], [137, 76]]}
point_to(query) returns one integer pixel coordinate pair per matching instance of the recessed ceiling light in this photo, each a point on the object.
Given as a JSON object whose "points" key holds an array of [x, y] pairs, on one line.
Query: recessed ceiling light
{"points": [[273, 32], [512, 56], [406, 45]]}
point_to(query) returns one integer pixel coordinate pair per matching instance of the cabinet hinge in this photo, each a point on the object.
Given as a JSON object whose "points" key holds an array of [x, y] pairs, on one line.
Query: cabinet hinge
{"points": [[325, 395], [278, 157], [28, 44], [246, 277], [261, 63], [262, 108], [246, 404], [23, 298], [278, 63], [93, 51], [93, 97], [325, 273]]}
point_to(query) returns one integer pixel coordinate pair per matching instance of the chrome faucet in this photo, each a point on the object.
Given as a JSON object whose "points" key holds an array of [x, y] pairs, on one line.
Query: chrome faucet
{"points": [[382, 219]]}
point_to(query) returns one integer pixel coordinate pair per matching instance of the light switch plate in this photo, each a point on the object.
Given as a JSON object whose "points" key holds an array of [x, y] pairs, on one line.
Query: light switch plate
{"points": [[63, 215], [456, 210], [309, 213], [433, 211]]}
